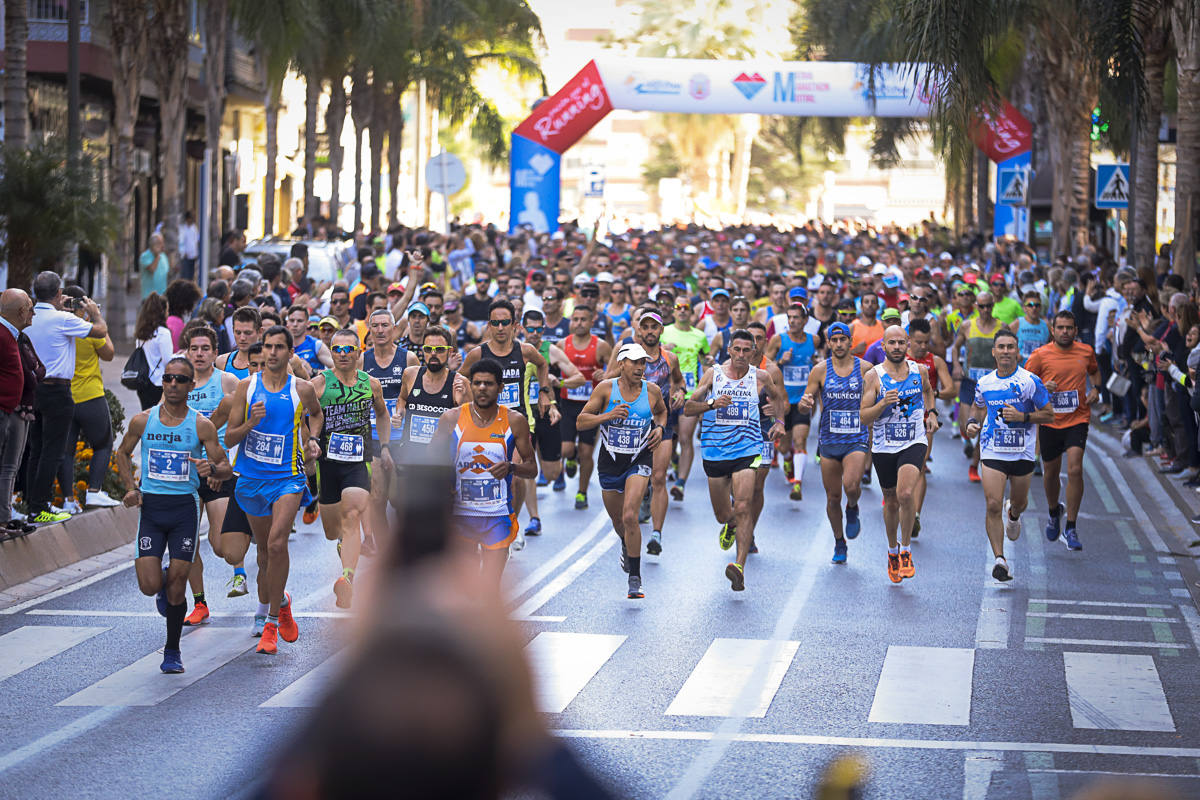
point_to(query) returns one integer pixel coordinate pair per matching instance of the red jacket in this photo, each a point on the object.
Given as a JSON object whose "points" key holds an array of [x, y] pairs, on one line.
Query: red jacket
{"points": [[12, 375]]}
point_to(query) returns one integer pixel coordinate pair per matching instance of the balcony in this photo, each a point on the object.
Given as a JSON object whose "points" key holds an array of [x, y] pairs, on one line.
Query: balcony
{"points": [[48, 21]]}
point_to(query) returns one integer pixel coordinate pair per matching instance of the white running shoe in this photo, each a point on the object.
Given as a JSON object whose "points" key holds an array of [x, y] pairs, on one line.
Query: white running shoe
{"points": [[71, 506], [1001, 571], [1012, 527], [100, 500], [518, 544]]}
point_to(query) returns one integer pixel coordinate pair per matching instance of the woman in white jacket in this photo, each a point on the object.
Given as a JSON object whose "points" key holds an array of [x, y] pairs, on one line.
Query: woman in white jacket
{"points": [[154, 337]]}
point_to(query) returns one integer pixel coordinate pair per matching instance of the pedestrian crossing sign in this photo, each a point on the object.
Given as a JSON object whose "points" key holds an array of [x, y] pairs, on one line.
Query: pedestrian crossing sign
{"points": [[1112, 186], [1014, 186]]}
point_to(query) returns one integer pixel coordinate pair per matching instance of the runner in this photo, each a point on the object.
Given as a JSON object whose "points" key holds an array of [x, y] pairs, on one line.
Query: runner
{"points": [[919, 337], [426, 393], [1064, 367], [975, 335], [588, 353], [766, 416], [842, 436], [793, 351], [898, 402], [310, 348], [245, 333], [731, 443], [173, 438], [484, 436], [630, 432], [689, 345], [268, 414], [347, 395], [1009, 400]]}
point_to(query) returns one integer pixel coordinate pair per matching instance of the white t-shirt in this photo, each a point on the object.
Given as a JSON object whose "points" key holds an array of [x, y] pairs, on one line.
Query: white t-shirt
{"points": [[53, 334], [158, 352]]}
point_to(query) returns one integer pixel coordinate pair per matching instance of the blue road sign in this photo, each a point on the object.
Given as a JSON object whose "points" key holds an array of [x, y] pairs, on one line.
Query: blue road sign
{"points": [[1112, 186]]}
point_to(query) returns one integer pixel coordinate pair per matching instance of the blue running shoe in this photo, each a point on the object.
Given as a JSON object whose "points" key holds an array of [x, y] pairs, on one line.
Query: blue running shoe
{"points": [[853, 523], [839, 551], [560, 483], [172, 663], [542, 480], [534, 528], [1052, 527], [160, 599], [1071, 539]]}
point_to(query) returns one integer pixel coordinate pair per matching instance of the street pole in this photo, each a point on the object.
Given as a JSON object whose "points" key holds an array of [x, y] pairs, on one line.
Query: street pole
{"points": [[74, 145], [445, 196], [206, 190]]}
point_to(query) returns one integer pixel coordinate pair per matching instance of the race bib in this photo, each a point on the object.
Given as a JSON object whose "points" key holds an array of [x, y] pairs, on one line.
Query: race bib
{"points": [[391, 407], [1009, 440], [535, 389], [421, 429], [580, 393], [626, 437], [265, 447], [1065, 402], [899, 432], [846, 422], [168, 465], [345, 447], [768, 450], [689, 380], [510, 395], [736, 413], [796, 376], [975, 373], [1027, 349], [479, 490]]}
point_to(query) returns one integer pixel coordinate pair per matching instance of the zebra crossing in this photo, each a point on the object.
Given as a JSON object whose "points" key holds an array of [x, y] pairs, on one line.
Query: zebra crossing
{"points": [[925, 686]]}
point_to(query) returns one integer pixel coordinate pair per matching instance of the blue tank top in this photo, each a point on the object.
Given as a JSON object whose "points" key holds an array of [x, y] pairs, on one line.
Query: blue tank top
{"points": [[796, 370], [1031, 337], [165, 453], [734, 431], [619, 322], [901, 424], [722, 355], [205, 399], [272, 448], [841, 402], [391, 380], [307, 350], [237, 372], [624, 439]]}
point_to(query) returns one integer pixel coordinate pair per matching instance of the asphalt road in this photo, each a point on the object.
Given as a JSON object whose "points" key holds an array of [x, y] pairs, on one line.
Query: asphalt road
{"points": [[949, 684]]}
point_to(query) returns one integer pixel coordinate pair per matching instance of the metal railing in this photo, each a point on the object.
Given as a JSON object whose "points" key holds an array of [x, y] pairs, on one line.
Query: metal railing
{"points": [[56, 10]]}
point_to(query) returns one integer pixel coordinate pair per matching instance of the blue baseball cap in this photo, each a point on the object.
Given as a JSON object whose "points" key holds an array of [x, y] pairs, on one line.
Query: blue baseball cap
{"points": [[718, 293], [418, 308], [891, 280], [798, 292], [836, 328]]}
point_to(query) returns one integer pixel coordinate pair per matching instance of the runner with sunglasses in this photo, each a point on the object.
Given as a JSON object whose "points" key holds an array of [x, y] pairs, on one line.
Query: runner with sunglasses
{"points": [[691, 347], [1031, 329]]}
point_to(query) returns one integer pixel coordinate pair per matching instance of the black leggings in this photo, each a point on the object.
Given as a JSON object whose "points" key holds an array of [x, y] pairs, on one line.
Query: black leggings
{"points": [[92, 420], [149, 397]]}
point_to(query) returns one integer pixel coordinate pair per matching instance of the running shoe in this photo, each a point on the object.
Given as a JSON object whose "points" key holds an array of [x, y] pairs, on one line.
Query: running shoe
{"points": [[560, 483], [343, 590], [737, 576], [534, 528], [789, 469], [796, 493], [654, 546], [1012, 527], [199, 615], [727, 535], [635, 588], [310, 516], [973, 474], [1037, 466], [1001, 571], [99, 499], [907, 568], [572, 466], [160, 599], [916, 525], [968, 447], [518, 544], [624, 558], [677, 492], [368, 550], [172, 663], [71, 506], [893, 568], [259, 621], [288, 630], [753, 545], [866, 479], [644, 510], [580, 501], [853, 523], [17, 528], [1053, 527], [839, 551], [1071, 539], [239, 588], [542, 480], [1106, 416], [268, 643], [45, 517]]}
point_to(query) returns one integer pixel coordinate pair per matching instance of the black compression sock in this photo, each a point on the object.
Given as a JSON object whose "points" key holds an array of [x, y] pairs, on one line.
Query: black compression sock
{"points": [[175, 615], [199, 597], [1070, 524], [1057, 511], [635, 565]]}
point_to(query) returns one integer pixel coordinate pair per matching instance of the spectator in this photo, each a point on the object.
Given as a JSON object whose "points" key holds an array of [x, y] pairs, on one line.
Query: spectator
{"points": [[53, 333], [154, 267], [92, 417], [182, 296], [154, 337], [219, 290], [272, 272], [232, 245], [189, 247], [18, 381], [212, 312]]}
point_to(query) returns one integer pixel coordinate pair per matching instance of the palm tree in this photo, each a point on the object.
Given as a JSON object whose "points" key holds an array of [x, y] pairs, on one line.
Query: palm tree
{"points": [[1185, 25], [169, 62], [1156, 35], [361, 98], [16, 102], [216, 45]]}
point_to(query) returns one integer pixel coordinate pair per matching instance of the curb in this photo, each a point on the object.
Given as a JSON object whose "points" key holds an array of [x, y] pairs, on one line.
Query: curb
{"points": [[63, 545]]}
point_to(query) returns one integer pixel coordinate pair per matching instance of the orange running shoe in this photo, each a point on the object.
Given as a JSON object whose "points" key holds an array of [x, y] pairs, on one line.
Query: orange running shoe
{"points": [[311, 516], [894, 568], [199, 615], [288, 631], [268, 645], [343, 590], [789, 468], [973, 474], [907, 570]]}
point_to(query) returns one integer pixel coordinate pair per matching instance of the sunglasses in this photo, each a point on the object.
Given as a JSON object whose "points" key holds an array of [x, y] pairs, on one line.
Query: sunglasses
{"points": [[314, 327], [983, 305], [500, 323], [966, 293], [176, 378], [338, 302], [343, 348], [435, 349], [1033, 305], [682, 307], [920, 298], [532, 329], [549, 298]]}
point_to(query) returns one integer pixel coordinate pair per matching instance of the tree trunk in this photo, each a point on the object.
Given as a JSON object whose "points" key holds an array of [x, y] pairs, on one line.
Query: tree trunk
{"points": [[395, 137], [968, 194], [312, 99], [335, 120], [360, 114], [169, 48], [272, 122], [216, 41], [16, 90], [983, 205], [360, 135], [1081, 158], [1185, 23], [378, 128], [747, 127]]}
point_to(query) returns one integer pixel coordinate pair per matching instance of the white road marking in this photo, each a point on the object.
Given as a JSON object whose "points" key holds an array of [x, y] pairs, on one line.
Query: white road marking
{"points": [[83, 612], [1103, 617], [32, 644], [1118, 774], [71, 587], [713, 687], [598, 524], [141, 683], [942, 694], [1157, 495], [1180, 593], [307, 690], [66, 733], [565, 578], [995, 610], [977, 773], [1116, 691], [1062, 602], [563, 663], [1106, 643], [1192, 618]]}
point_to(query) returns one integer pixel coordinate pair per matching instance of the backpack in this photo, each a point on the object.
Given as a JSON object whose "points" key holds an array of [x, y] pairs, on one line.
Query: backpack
{"points": [[136, 374]]}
